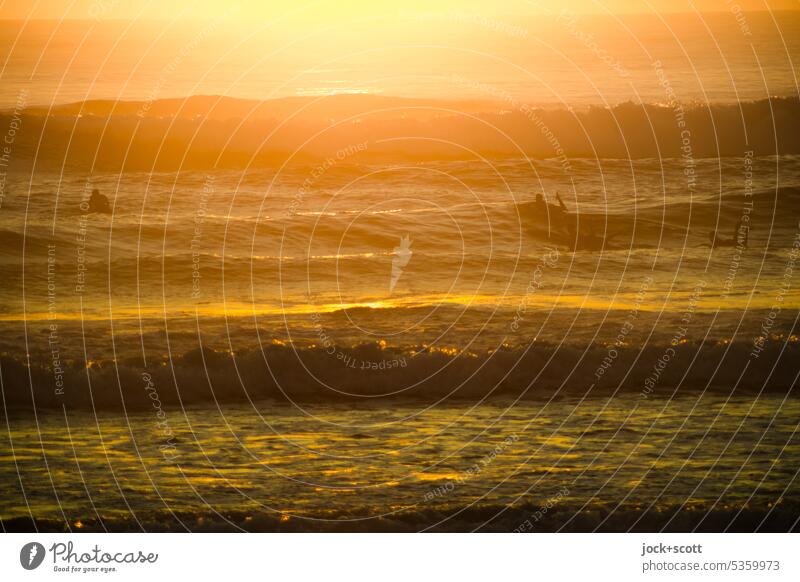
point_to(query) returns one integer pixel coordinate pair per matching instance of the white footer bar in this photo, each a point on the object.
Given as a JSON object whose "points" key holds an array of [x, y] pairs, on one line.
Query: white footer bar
{"points": [[400, 557]]}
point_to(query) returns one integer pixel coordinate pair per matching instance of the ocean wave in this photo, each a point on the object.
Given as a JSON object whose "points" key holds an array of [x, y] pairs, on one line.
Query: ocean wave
{"points": [[377, 374], [109, 137]]}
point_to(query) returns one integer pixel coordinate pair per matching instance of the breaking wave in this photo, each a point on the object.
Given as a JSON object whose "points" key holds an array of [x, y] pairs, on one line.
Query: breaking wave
{"points": [[375, 374], [221, 132]]}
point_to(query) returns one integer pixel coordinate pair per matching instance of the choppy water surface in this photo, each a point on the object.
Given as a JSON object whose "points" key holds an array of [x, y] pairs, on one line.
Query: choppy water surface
{"points": [[350, 313], [594, 463], [254, 284], [272, 248]]}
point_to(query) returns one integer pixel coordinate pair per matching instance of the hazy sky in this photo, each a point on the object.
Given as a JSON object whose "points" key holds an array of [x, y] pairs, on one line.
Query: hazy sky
{"points": [[254, 9]]}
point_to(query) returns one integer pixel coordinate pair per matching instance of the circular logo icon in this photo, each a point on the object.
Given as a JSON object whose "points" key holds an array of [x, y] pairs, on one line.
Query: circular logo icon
{"points": [[31, 555]]}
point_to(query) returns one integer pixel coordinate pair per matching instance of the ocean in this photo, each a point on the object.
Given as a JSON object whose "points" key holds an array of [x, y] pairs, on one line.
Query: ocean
{"points": [[699, 462], [325, 296]]}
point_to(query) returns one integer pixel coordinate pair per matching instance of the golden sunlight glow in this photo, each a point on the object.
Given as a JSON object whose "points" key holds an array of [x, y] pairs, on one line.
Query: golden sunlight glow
{"points": [[320, 11], [402, 265]]}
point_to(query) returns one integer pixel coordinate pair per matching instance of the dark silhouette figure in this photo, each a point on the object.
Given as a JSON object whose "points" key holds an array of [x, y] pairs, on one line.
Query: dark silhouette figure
{"points": [[740, 236], [99, 203], [540, 213], [561, 225], [561, 204]]}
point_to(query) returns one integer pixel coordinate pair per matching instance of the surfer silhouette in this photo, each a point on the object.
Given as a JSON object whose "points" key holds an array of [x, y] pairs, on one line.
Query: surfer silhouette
{"points": [[99, 203], [741, 234], [561, 205], [561, 225], [541, 212]]}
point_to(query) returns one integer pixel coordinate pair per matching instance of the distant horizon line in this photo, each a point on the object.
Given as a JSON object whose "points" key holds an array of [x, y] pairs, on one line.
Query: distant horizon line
{"points": [[363, 95]]}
